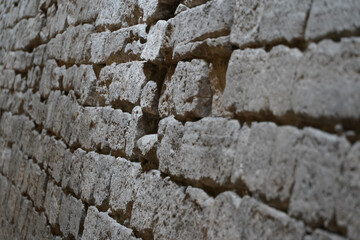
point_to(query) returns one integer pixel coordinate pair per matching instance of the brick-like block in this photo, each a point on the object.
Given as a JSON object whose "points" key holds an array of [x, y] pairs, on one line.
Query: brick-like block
{"points": [[284, 80], [268, 22], [348, 197], [124, 183], [52, 203], [71, 216], [96, 175], [329, 17], [99, 225], [209, 20], [259, 221], [265, 160], [123, 83], [206, 149], [187, 93], [315, 189]]}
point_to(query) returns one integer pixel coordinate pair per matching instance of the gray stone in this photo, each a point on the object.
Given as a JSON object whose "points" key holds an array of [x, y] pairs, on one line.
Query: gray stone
{"points": [[123, 83], [209, 20], [72, 213], [187, 93], [264, 22], [100, 226], [156, 42], [328, 17], [283, 80], [347, 199], [314, 193], [259, 221], [124, 184], [210, 48], [147, 146], [52, 203], [149, 98]]}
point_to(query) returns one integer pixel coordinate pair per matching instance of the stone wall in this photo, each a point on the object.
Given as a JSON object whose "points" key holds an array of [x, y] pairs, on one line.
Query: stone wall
{"points": [[169, 119]]}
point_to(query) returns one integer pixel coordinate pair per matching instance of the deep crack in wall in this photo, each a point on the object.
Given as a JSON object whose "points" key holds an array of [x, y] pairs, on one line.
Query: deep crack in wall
{"points": [[169, 119]]}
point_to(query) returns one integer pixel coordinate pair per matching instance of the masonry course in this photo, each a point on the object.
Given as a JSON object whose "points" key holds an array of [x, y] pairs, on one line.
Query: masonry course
{"points": [[180, 119]]}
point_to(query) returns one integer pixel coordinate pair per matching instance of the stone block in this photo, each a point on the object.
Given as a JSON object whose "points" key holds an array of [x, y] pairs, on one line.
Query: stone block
{"points": [[329, 17], [52, 203], [212, 19], [100, 226], [124, 184], [263, 22], [187, 93], [122, 84], [283, 80], [72, 214], [149, 99], [259, 221]]}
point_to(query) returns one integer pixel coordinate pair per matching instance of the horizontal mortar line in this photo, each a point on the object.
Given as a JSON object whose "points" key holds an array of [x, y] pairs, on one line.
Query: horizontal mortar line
{"points": [[302, 45]]}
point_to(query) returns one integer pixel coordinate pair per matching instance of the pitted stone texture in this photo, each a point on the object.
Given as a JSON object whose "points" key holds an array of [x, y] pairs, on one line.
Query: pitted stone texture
{"points": [[99, 225], [267, 22], [72, 46], [314, 194], [347, 214], [259, 221], [187, 93], [212, 19], [124, 184], [329, 17], [95, 181], [284, 80], [149, 99], [120, 46], [154, 47], [265, 160], [123, 83], [52, 204], [210, 48], [72, 213]]}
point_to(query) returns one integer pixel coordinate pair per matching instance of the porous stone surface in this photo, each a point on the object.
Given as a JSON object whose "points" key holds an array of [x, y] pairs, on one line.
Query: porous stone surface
{"points": [[180, 119]]}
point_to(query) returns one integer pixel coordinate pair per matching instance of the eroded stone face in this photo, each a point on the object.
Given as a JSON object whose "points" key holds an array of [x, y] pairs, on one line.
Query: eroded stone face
{"points": [[179, 119]]}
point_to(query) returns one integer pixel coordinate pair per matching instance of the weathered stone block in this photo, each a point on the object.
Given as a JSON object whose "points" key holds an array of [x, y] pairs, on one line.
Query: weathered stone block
{"points": [[72, 213], [283, 80], [209, 20], [187, 93], [328, 17], [52, 203], [268, 22], [100, 226], [122, 84]]}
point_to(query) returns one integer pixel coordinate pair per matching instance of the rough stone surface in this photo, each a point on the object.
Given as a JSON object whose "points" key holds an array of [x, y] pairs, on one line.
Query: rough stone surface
{"points": [[179, 119]]}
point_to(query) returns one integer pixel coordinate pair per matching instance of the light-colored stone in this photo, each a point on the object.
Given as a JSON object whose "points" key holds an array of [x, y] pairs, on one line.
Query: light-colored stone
{"points": [[149, 99], [154, 47], [72, 213], [209, 20], [100, 226], [52, 203], [283, 80], [122, 84], [259, 221], [329, 17], [187, 93], [268, 22]]}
